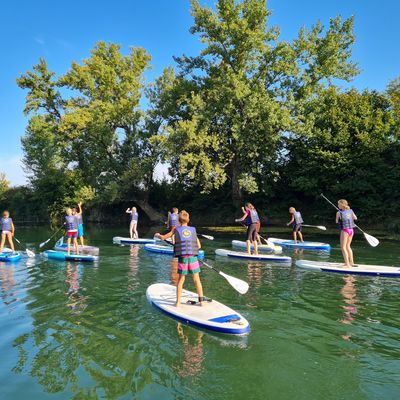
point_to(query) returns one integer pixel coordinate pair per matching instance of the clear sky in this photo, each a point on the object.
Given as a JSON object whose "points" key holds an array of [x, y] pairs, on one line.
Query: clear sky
{"points": [[63, 31]]}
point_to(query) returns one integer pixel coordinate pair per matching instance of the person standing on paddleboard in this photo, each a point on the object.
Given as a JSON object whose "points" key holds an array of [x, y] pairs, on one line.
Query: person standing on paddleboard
{"points": [[81, 232], [7, 231], [71, 223], [173, 219], [345, 218], [296, 223], [134, 221], [251, 219]]}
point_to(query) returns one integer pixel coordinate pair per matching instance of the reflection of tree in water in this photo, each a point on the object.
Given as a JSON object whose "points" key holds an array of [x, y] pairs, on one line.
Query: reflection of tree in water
{"points": [[193, 354], [7, 283], [102, 351]]}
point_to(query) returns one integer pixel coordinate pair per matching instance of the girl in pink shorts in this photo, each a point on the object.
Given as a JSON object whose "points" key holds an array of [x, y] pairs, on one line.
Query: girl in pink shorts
{"points": [[345, 218]]}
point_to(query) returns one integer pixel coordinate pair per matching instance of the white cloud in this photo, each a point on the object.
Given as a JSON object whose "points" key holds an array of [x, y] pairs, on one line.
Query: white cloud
{"points": [[12, 167]]}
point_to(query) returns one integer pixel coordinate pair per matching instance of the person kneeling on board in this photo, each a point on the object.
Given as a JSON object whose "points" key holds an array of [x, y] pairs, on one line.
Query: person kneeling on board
{"points": [[252, 220], [186, 249], [296, 223]]}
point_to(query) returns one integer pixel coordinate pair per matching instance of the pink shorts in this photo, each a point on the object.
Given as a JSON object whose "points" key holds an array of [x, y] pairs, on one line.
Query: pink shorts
{"points": [[349, 231]]}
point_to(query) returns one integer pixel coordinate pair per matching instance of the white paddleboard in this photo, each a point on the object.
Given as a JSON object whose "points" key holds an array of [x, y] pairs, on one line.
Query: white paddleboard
{"points": [[361, 269], [82, 249], [126, 240], [261, 247], [259, 257], [291, 244], [212, 315]]}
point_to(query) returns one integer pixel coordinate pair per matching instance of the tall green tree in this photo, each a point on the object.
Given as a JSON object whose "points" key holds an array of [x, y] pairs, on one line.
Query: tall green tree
{"points": [[235, 100]]}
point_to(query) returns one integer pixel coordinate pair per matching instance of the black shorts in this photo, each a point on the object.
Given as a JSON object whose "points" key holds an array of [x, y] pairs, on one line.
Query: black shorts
{"points": [[297, 227], [252, 232]]}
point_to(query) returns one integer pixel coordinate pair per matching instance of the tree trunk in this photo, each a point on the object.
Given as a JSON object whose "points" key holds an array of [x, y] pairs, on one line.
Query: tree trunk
{"points": [[154, 216], [236, 191]]}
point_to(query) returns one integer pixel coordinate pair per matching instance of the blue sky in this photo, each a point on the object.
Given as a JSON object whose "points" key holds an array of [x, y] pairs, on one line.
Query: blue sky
{"points": [[65, 31]]}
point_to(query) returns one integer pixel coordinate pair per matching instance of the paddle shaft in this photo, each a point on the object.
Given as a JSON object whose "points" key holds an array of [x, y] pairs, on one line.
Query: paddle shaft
{"points": [[51, 237]]}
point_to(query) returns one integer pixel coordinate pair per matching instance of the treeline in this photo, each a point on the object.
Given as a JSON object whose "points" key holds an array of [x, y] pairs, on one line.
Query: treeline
{"points": [[250, 117]]}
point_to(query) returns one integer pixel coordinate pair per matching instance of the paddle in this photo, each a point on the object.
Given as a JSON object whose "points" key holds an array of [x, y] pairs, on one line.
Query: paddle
{"points": [[269, 243], [209, 237], [51, 237], [323, 228], [240, 286], [373, 241], [29, 253]]}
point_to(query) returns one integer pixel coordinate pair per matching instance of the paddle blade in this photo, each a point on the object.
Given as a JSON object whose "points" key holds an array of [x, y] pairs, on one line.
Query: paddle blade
{"points": [[17, 240], [44, 243], [323, 228], [373, 241], [240, 286], [208, 237], [30, 253]]}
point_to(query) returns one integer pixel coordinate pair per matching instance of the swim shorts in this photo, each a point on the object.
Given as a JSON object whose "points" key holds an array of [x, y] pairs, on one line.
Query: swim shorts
{"points": [[188, 265]]}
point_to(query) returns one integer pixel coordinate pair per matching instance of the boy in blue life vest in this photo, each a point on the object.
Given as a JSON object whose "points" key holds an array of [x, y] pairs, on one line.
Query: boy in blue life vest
{"points": [[296, 222], [173, 219], [71, 223], [7, 231], [133, 233]]}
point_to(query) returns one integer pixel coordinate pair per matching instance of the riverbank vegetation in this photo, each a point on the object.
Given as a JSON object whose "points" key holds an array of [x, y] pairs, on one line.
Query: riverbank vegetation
{"points": [[251, 117]]}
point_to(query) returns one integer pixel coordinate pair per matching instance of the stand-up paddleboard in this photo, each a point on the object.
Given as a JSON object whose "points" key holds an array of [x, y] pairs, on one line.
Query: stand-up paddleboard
{"points": [[261, 247], [212, 315], [125, 240], [291, 244], [63, 256], [8, 256], [156, 248], [361, 269], [157, 239], [258, 257], [82, 249]]}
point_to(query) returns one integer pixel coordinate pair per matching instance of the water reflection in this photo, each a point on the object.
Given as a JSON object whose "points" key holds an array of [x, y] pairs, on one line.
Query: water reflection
{"points": [[133, 267], [76, 301], [7, 283], [349, 293], [193, 354]]}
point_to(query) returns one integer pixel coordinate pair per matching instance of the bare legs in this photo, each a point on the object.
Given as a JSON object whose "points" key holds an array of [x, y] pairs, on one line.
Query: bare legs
{"points": [[295, 233], [179, 287], [75, 241], [133, 230], [347, 252], [3, 241]]}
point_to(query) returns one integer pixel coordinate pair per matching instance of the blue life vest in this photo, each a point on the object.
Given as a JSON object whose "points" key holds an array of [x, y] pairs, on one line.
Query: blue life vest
{"points": [[173, 220], [252, 218], [297, 218], [185, 241], [71, 222], [6, 224], [346, 220], [134, 216]]}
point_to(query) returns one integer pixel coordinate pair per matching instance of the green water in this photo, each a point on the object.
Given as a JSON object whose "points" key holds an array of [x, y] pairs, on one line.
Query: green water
{"points": [[74, 331]]}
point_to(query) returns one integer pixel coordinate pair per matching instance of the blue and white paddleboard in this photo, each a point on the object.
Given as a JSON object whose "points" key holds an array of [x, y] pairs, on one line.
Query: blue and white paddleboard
{"points": [[125, 240], [63, 256], [361, 269], [82, 249], [261, 247], [156, 248], [259, 257], [8, 256], [213, 316], [291, 244]]}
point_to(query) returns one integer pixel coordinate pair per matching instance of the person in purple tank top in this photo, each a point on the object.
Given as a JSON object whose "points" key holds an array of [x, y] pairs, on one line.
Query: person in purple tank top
{"points": [[134, 222], [7, 231]]}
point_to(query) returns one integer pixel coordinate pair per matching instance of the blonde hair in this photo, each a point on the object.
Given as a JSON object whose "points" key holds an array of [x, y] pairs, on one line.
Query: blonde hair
{"points": [[174, 210], [292, 210], [184, 217], [250, 206], [344, 204], [133, 209]]}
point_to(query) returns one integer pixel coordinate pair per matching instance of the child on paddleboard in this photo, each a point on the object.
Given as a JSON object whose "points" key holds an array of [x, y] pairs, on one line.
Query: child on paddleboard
{"points": [[173, 219], [134, 221], [296, 222], [7, 231], [71, 223], [186, 249], [251, 219], [81, 232], [345, 218]]}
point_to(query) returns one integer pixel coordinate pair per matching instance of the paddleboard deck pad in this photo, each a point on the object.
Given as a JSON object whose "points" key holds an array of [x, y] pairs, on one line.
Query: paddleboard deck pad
{"points": [[125, 240], [291, 244], [261, 247], [361, 269], [169, 250], [82, 249], [259, 257], [8, 256], [213, 315], [63, 256]]}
